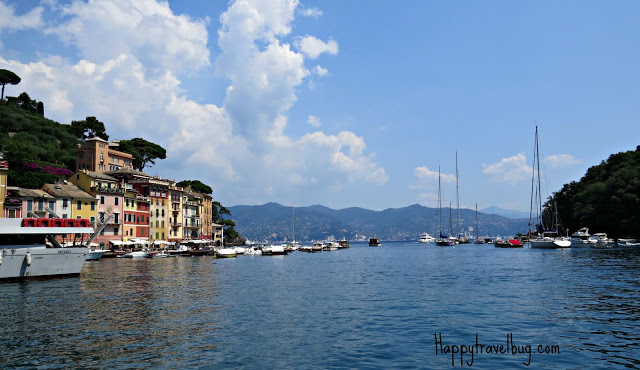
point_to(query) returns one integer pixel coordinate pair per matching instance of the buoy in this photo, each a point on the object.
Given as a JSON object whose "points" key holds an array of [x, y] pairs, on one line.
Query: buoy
{"points": [[1, 253], [28, 258]]}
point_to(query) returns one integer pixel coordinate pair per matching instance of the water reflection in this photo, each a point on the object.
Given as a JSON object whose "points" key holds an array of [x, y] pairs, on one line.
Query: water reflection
{"points": [[362, 307]]}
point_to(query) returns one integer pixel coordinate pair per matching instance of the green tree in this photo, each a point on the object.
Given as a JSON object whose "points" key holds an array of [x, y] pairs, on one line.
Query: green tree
{"points": [[89, 128], [144, 152], [8, 78], [196, 185], [25, 102]]}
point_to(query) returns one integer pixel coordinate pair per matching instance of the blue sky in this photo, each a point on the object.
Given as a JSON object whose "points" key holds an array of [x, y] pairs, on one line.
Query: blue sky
{"points": [[342, 103]]}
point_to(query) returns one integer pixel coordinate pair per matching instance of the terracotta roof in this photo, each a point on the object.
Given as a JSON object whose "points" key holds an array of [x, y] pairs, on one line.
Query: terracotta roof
{"points": [[99, 175], [37, 193], [67, 191], [129, 171]]}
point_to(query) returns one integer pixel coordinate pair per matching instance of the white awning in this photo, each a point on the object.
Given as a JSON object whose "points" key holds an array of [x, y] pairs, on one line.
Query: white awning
{"points": [[116, 242], [156, 242]]}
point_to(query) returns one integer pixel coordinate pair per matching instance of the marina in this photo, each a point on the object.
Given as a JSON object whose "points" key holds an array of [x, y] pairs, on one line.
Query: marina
{"points": [[207, 312]]}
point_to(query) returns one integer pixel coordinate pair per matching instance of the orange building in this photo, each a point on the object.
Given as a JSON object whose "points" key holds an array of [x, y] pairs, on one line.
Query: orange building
{"points": [[99, 155]]}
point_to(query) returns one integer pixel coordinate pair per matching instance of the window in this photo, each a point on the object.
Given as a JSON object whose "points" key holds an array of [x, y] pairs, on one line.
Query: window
{"points": [[131, 232], [102, 199], [40, 205], [93, 206], [126, 202], [93, 220], [116, 218], [65, 203], [51, 202], [79, 207], [115, 231], [142, 232], [117, 200], [29, 205]]}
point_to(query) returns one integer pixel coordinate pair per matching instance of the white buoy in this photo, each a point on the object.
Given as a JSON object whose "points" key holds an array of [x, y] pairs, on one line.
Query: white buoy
{"points": [[28, 258], [1, 253]]}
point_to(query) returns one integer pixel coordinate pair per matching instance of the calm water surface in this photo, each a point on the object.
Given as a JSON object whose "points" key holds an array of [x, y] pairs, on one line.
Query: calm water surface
{"points": [[361, 307]]}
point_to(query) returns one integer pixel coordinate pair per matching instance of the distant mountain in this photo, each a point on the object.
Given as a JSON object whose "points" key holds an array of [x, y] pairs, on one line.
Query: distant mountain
{"points": [[273, 222], [508, 213]]}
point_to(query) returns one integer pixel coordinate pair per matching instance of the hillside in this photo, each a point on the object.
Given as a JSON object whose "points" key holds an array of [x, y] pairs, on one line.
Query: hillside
{"points": [[273, 222]]}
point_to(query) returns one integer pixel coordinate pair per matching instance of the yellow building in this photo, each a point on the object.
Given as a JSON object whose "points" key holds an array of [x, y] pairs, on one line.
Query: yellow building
{"points": [[4, 168]]}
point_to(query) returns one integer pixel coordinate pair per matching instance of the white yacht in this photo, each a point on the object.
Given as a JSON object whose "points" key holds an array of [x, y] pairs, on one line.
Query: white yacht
{"points": [[426, 238], [582, 238], [24, 254]]}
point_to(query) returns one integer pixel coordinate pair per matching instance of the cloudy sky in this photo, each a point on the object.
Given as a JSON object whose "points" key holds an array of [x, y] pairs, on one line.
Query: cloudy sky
{"points": [[342, 103]]}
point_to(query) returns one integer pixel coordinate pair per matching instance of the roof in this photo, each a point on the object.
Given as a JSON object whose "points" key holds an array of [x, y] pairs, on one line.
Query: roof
{"points": [[37, 193], [67, 191], [127, 171], [98, 175]]}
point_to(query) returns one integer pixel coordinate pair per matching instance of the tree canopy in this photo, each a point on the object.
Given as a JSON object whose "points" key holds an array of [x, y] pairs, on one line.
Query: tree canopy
{"points": [[606, 199], [8, 78], [196, 185], [25, 102], [89, 128], [144, 152]]}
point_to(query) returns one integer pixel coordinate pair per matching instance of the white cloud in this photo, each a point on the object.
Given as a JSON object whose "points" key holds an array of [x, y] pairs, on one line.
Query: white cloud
{"points": [[9, 20], [146, 30], [320, 71], [424, 173], [427, 184], [512, 169], [311, 12], [561, 160], [313, 47], [314, 121], [131, 57]]}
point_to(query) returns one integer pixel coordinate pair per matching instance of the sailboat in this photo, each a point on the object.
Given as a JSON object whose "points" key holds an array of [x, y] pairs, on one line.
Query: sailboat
{"points": [[461, 239], [477, 239], [545, 236], [294, 245], [443, 240]]}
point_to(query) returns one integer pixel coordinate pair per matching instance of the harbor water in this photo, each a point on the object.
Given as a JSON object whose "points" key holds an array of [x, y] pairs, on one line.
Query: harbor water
{"points": [[400, 305]]}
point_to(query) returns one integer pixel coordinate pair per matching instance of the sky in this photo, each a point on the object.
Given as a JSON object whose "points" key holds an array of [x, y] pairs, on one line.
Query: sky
{"points": [[354, 103]]}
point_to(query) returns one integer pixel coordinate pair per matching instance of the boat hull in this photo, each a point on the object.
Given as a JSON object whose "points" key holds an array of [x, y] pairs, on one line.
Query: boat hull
{"points": [[550, 243], [45, 263]]}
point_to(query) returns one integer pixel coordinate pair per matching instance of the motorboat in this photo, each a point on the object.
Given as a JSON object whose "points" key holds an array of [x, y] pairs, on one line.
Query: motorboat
{"points": [[330, 246], [24, 254], [582, 238], [138, 254], [374, 242], [253, 251], [343, 243], [95, 254], [426, 238], [508, 243], [226, 253]]}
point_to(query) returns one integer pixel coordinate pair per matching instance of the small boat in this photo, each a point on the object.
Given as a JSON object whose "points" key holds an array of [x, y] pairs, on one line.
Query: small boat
{"points": [[317, 247], [374, 242], [582, 238], [426, 238], [445, 240], [508, 243], [138, 254], [343, 243], [161, 254], [273, 250], [226, 253], [603, 242], [330, 246], [95, 254], [253, 251]]}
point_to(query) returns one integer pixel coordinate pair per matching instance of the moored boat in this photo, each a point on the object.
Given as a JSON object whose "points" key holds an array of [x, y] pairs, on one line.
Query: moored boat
{"points": [[226, 253], [374, 242], [426, 238], [508, 243], [24, 254]]}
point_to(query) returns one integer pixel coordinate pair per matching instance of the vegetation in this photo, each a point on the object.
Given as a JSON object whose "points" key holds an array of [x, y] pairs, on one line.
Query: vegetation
{"points": [[7, 78], [606, 199], [89, 128], [196, 185], [144, 152]]}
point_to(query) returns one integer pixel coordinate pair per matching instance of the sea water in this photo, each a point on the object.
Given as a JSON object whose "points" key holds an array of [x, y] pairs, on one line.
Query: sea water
{"points": [[400, 305]]}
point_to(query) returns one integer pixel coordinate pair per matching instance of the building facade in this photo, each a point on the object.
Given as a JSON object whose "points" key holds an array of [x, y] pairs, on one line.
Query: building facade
{"points": [[99, 155], [4, 168], [72, 202]]}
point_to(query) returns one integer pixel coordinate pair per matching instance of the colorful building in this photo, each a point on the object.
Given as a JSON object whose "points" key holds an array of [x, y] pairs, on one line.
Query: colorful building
{"points": [[99, 155], [137, 202], [175, 217], [191, 211], [72, 202], [4, 168], [110, 202], [35, 203]]}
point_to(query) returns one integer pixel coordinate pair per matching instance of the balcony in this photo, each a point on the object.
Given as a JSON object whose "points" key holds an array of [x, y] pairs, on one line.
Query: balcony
{"points": [[176, 224]]}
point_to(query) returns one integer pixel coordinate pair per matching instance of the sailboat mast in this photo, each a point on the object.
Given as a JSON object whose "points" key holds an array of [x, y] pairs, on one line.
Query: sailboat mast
{"points": [[439, 204], [535, 216], [477, 227], [293, 221], [450, 221], [457, 197]]}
